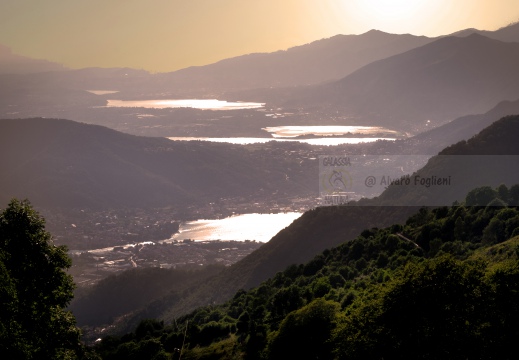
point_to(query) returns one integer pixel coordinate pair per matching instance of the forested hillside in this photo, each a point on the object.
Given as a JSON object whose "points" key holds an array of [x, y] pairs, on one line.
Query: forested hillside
{"points": [[441, 285]]}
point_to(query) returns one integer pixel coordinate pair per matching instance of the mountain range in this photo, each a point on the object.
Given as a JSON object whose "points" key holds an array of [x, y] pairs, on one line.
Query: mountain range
{"points": [[508, 33], [321, 61], [401, 82], [426, 86], [317, 62]]}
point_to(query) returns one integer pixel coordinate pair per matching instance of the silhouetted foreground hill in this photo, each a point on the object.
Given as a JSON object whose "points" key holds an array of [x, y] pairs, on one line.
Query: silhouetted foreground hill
{"points": [[325, 227], [61, 163], [432, 84]]}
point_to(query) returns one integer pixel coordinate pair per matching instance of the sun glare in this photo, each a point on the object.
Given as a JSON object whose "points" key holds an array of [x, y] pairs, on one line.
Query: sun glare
{"points": [[393, 9], [390, 15]]}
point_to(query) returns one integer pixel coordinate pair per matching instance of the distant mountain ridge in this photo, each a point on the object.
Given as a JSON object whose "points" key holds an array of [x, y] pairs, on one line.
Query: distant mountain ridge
{"points": [[316, 62], [309, 64], [429, 85], [313, 63], [508, 33], [16, 64], [402, 82], [463, 128]]}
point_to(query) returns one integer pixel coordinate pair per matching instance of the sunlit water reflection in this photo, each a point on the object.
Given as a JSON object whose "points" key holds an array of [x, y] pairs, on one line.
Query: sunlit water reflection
{"points": [[326, 130], [316, 141], [259, 227], [103, 92], [202, 104]]}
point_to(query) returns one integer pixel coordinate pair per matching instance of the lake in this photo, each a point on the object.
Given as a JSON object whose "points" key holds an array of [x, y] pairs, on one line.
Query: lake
{"points": [[202, 104], [326, 130], [103, 92], [259, 227], [321, 135], [326, 141]]}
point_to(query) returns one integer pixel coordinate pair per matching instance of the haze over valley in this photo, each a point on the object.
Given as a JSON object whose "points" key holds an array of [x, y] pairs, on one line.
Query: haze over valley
{"points": [[228, 200]]}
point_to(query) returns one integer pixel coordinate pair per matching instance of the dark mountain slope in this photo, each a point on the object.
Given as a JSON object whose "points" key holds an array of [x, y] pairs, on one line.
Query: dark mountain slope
{"points": [[443, 80], [60, 163]]}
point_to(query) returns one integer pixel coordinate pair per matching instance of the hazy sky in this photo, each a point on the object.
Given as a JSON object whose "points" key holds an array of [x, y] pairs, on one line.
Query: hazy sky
{"points": [[165, 35]]}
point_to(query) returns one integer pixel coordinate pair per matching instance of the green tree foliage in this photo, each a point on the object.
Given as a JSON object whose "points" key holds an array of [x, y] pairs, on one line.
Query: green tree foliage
{"points": [[35, 289], [513, 195], [504, 314], [243, 324], [148, 327], [434, 310], [304, 333], [494, 232], [481, 196]]}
